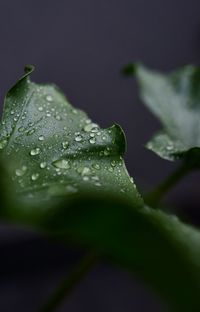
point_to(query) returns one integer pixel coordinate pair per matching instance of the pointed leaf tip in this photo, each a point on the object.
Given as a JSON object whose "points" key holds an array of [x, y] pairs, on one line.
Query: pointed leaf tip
{"points": [[29, 68]]}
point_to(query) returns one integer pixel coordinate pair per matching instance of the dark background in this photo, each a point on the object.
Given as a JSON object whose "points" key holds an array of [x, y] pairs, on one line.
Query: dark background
{"points": [[81, 46]]}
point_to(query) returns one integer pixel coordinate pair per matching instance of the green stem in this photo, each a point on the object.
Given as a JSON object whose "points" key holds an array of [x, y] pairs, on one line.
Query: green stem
{"points": [[68, 284], [154, 197]]}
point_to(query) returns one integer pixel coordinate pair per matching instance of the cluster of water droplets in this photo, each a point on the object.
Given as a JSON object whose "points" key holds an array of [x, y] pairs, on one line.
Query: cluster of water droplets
{"points": [[40, 168]]}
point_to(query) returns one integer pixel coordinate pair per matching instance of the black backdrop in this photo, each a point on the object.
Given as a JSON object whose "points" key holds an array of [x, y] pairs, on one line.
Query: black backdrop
{"points": [[81, 46]]}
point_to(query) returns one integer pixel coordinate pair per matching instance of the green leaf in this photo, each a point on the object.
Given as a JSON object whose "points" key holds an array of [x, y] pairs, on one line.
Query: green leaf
{"points": [[55, 150], [79, 191], [154, 246], [151, 244], [175, 100]]}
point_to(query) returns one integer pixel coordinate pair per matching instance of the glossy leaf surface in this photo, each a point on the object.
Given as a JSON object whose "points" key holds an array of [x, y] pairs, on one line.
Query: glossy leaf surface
{"points": [[56, 149]]}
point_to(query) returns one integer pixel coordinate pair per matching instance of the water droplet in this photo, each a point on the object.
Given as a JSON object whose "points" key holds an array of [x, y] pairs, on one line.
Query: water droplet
{"points": [[113, 163], [20, 172], [48, 114], [131, 179], [86, 171], [61, 164], [97, 184], [120, 162], [96, 130], [169, 147], [3, 143], [12, 112], [85, 178], [92, 141], [78, 138], [41, 138], [58, 117], [65, 144], [90, 126], [35, 151], [34, 176], [43, 165], [110, 169], [96, 166], [49, 98], [106, 153], [29, 132], [40, 108]]}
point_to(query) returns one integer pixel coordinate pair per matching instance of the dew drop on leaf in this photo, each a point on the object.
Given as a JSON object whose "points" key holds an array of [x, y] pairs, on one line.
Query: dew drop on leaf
{"points": [[34, 176], [65, 144], [41, 138], [35, 151], [30, 131], [92, 141], [43, 165], [85, 171], [113, 163], [85, 178], [48, 114], [58, 117], [3, 144], [61, 164], [89, 127], [20, 172], [78, 138], [106, 153], [96, 166], [169, 147], [49, 98], [21, 129]]}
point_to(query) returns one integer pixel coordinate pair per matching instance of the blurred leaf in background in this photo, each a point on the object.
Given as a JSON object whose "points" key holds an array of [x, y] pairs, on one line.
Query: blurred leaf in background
{"points": [[175, 100]]}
